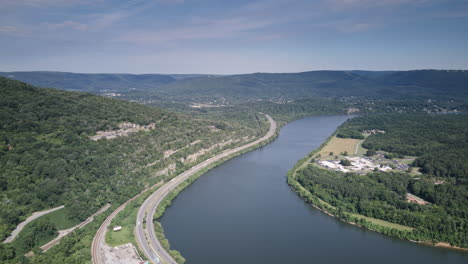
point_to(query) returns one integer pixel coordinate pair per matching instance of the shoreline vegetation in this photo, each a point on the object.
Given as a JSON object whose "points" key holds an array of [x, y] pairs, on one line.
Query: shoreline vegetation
{"points": [[166, 202], [45, 144], [351, 218]]}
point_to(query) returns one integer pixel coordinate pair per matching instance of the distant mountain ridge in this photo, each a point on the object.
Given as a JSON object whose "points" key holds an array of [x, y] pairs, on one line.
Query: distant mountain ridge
{"points": [[416, 84], [90, 82], [420, 84]]}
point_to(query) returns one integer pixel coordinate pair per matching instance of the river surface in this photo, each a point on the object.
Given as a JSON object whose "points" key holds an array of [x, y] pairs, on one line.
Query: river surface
{"points": [[244, 212]]}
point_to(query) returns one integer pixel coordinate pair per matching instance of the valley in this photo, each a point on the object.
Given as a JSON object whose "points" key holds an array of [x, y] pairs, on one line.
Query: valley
{"points": [[121, 148], [253, 131]]}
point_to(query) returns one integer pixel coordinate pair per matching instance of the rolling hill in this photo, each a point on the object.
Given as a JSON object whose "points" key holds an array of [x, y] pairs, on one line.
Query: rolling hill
{"points": [[95, 83], [399, 85], [47, 157], [423, 84]]}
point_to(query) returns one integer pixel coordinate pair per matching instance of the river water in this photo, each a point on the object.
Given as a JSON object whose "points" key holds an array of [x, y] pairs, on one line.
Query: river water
{"points": [[244, 212]]}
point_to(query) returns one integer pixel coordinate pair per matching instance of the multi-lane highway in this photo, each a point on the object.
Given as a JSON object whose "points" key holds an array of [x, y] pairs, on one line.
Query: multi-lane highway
{"points": [[145, 234], [99, 246]]}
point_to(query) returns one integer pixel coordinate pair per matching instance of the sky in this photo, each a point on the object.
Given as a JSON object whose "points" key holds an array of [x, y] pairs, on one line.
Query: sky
{"points": [[232, 36]]}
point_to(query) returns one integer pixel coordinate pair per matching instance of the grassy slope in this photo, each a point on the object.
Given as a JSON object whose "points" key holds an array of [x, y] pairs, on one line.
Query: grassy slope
{"points": [[339, 145], [126, 218], [60, 219]]}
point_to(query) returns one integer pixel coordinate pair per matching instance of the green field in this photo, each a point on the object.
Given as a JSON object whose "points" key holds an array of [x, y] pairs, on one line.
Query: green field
{"points": [[383, 223], [34, 234], [60, 219], [126, 219], [340, 145]]}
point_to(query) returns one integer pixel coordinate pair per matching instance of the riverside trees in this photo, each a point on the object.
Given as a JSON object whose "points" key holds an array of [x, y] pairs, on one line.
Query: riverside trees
{"points": [[47, 159], [440, 143]]}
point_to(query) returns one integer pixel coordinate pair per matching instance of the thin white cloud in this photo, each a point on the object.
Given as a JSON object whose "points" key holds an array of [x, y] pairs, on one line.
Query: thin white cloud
{"points": [[47, 3], [65, 25], [340, 5], [103, 21], [198, 28], [170, 1], [247, 21], [355, 27], [8, 29]]}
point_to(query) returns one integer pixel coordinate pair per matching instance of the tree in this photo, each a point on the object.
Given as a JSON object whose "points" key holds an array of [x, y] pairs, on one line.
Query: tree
{"points": [[6, 252], [345, 162], [370, 152]]}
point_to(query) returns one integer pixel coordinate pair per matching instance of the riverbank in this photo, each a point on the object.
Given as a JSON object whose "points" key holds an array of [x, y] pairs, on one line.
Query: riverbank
{"points": [[377, 225], [156, 204]]}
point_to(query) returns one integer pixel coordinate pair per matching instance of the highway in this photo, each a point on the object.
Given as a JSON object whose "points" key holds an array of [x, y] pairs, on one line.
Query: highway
{"points": [[98, 245], [145, 234]]}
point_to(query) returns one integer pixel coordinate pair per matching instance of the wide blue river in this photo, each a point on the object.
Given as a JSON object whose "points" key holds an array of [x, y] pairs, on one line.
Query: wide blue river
{"points": [[244, 212]]}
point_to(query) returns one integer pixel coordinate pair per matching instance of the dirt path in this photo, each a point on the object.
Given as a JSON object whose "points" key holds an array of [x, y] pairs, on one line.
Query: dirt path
{"points": [[63, 233], [34, 216], [357, 147]]}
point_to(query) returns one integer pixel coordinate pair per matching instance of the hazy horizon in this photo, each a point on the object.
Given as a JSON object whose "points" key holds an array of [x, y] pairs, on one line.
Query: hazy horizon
{"points": [[195, 73], [232, 37]]}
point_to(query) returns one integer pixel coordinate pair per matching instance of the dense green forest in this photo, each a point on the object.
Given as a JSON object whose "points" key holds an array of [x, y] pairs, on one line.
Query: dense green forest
{"points": [[423, 84], [95, 83], [47, 159], [399, 85], [440, 143], [285, 96]]}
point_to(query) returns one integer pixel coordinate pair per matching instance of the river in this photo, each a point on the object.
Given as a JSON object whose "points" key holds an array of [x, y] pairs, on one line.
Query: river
{"points": [[244, 212]]}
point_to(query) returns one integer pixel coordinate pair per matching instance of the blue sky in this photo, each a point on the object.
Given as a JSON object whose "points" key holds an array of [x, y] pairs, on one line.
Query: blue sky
{"points": [[236, 36]]}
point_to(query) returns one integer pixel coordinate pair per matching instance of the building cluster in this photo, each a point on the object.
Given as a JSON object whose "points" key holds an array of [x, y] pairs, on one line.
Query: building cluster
{"points": [[373, 131], [438, 182], [411, 198], [357, 164], [124, 130]]}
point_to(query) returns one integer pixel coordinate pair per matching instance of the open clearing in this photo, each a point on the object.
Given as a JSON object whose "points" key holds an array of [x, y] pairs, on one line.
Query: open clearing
{"points": [[29, 220], [339, 145], [61, 219], [384, 223], [63, 233], [126, 219]]}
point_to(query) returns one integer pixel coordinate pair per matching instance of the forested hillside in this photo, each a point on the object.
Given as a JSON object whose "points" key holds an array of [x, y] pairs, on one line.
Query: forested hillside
{"points": [[285, 96], [95, 83], [424, 84], [47, 159], [401, 85], [439, 141], [440, 145]]}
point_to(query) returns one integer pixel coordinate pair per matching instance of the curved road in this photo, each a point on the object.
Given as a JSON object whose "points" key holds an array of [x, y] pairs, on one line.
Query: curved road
{"points": [[28, 220], [145, 234], [98, 246]]}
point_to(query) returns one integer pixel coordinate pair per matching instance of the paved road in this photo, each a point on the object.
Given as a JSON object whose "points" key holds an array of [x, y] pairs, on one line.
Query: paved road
{"points": [[99, 245], [145, 234], [63, 233], [34, 216]]}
